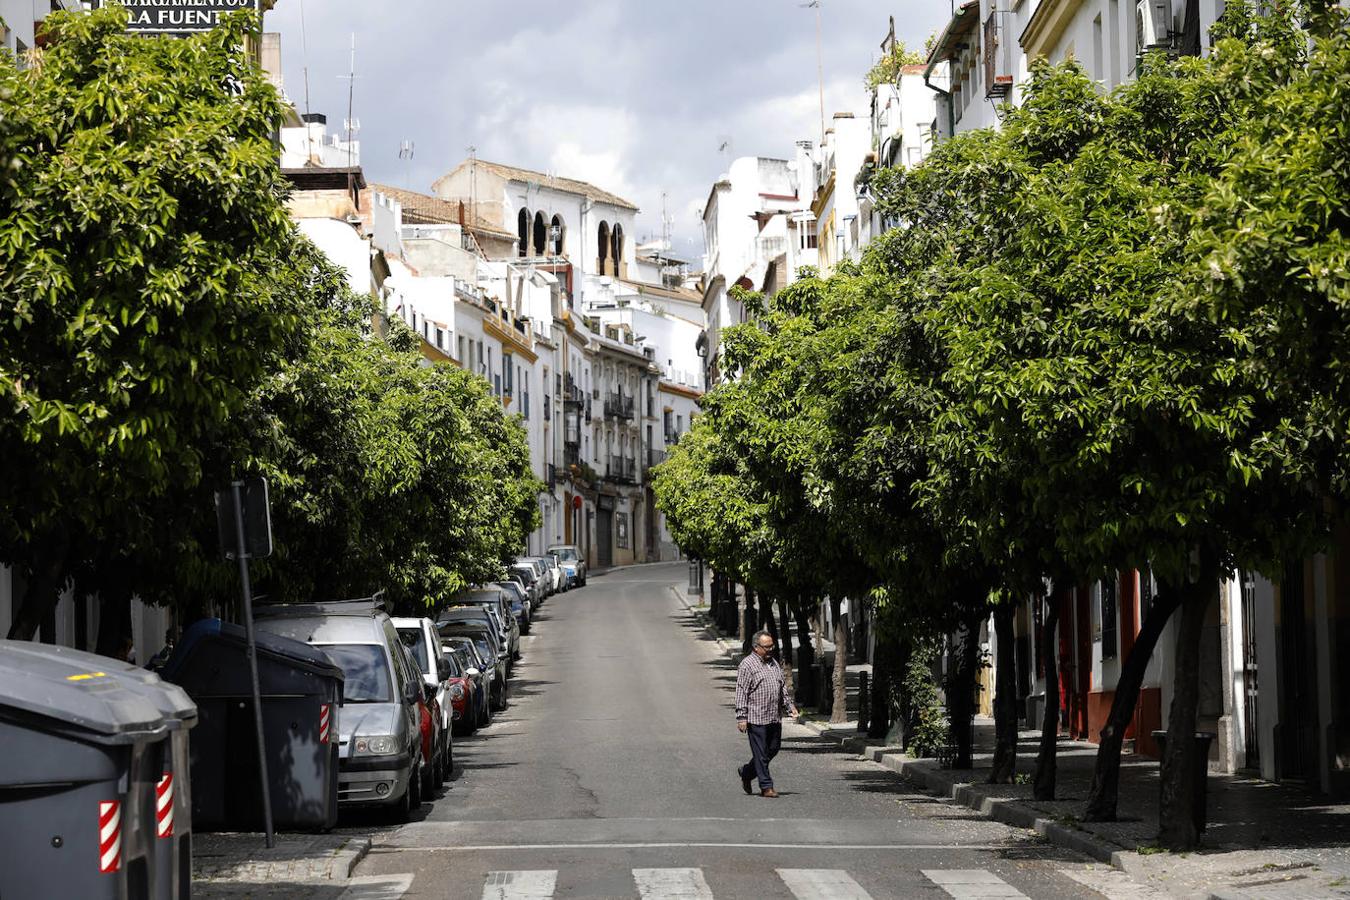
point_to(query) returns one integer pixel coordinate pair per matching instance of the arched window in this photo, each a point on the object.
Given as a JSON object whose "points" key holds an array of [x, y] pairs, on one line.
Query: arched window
{"points": [[556, 235], [604, 248], [540, 235], [523, 231], [618, 248]]}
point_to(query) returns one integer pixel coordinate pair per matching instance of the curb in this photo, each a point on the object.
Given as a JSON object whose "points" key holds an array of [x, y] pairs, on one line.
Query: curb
{"points": [[731, 651], [1000, 809], [1007, 811], [348, 858]]}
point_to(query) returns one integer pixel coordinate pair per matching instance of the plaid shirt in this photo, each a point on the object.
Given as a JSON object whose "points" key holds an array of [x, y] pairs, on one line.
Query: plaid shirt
{"points": [[761, 694]]}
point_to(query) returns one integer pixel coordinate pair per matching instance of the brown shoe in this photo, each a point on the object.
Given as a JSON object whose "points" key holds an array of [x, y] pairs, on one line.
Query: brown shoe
{"points": [[768, 792]]}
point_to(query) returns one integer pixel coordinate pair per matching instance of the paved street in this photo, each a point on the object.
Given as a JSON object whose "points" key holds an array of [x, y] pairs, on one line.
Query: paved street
{"points": [[613, 775]]}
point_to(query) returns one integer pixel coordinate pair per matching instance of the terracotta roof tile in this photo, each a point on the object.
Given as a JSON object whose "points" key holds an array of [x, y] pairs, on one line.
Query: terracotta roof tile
{"points": [[423, 209], [570, 185]]}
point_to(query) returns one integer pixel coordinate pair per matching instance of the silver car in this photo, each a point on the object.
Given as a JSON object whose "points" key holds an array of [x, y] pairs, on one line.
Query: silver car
{"points": [[380, 735]]}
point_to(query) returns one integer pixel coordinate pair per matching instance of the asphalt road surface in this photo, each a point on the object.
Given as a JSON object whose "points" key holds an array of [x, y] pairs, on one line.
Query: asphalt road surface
{"points": [[613, 775]]}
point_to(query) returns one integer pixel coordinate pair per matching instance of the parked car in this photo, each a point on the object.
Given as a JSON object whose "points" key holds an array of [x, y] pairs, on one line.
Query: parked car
{"points": [[488, 617], [379, 731], [480, 675], [496, 602], [520, 604], [429, 726], [533, 583], [570, 558], [459, 691], [541, 572], [419, 636], [484, 637], [555, 571]]}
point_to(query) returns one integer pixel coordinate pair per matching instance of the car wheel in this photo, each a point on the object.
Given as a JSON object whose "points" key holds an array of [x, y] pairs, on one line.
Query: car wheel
{"points": [[403, 809]]}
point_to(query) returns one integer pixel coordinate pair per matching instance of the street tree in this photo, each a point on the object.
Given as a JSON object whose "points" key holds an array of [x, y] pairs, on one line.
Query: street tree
{"points": [[141, 232]]}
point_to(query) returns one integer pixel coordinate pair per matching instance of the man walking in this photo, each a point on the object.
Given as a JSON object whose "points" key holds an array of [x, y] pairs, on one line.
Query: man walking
{"points": [[761, 702]]}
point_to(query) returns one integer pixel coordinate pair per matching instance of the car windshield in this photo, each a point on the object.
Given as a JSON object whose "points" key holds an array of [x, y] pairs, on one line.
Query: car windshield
{"points": [[412, 639], [365, 671], [564, 553]]}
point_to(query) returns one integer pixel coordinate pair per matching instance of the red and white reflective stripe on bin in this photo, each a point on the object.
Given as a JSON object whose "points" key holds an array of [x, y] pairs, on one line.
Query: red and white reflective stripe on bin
{"points": [[164, 806], [109, 836], [323, 724]]}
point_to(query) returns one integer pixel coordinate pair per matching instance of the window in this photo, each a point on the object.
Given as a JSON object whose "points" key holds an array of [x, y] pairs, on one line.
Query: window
{"points": [[440, 338], [366, 674], [508, 371], [523, 232], [459, 345]]}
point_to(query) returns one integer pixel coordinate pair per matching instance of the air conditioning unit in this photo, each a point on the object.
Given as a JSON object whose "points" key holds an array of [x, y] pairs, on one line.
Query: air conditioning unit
{"points": [[1153, 20]]}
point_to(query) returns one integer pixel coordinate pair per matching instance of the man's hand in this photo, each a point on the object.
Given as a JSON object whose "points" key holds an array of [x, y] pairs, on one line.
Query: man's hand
{"points": [[742, 725], [795, 713]]}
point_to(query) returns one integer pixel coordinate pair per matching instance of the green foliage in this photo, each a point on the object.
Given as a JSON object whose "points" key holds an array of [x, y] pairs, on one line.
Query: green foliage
{"points": [[925, 722], [164, 328], [887, 69]]}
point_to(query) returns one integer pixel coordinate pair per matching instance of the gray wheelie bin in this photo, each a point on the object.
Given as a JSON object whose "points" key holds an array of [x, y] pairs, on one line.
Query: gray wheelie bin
{"points": [[301, 691], [87, 744]]}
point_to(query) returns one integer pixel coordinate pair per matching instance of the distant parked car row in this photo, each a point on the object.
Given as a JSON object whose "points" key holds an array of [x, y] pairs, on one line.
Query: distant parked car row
{"points": [[412, 684]]}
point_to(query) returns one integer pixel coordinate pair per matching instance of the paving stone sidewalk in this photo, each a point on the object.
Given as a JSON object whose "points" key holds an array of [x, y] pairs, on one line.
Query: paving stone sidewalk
{"points": [[1263, 840], [305, 867]]}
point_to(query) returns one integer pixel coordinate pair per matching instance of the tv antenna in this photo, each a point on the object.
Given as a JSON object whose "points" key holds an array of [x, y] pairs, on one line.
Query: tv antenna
{"points": [[406, 151], [351, 123], [820, 61]]}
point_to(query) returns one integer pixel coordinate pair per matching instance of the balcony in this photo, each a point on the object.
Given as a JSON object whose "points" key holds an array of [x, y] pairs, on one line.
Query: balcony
{"points": [[622, 470], [617, 406], [672, 437], [571, 454], [655, 458]]}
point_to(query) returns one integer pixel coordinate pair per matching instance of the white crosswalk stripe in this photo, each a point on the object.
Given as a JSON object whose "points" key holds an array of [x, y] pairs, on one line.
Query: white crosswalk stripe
{"points": [[966, 884], [672, 884], [532, 884], [822, 884]]}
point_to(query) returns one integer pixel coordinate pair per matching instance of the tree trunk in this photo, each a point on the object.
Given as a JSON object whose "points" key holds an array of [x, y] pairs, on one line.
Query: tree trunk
{"points": [[1101, 805], [114, 623], [785, 647], [41, 594], [1176, 813], [879, 719], [961, 699], [785, 626], [806, 655], [1005, 697], [750, 621], [839, 712], [1043, 783]]}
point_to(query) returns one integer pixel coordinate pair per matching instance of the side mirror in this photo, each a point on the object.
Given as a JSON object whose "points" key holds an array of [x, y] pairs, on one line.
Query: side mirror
{"points": [[412, 692], [442, 669], [428, 692]]}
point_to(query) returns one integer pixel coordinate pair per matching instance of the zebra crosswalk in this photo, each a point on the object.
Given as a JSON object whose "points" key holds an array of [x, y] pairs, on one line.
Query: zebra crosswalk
{"points": [[803, 884]]}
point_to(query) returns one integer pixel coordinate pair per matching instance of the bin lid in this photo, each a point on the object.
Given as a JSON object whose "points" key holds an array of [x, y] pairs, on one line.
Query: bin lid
{"points": [[295, 654], [89, 693]]}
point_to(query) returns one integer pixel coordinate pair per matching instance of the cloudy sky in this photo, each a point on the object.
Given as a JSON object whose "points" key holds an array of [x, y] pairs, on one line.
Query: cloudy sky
{"points": [[636, 96]]}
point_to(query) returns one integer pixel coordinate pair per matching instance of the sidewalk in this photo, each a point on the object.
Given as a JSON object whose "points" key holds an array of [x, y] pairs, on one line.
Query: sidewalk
{"points": [[305, 867], [1263, 840]]}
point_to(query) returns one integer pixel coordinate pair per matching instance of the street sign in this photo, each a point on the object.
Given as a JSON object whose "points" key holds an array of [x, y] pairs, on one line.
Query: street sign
{"points": [[179, 16], [257, 519]]}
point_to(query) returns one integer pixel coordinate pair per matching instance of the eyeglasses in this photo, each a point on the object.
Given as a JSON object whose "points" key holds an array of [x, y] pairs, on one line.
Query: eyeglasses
{"points": [[765, 646]]}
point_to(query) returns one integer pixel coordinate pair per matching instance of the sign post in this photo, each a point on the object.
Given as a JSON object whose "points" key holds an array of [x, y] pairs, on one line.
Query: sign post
{"points": [[243, 515]]}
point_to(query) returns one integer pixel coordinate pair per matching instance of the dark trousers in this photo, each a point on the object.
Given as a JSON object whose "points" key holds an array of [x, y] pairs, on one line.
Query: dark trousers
{"points": [[764, 743]]}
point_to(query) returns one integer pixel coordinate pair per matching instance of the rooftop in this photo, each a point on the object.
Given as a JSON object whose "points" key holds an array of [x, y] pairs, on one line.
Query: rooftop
{"points": [[570, 185], [423, 209]]}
